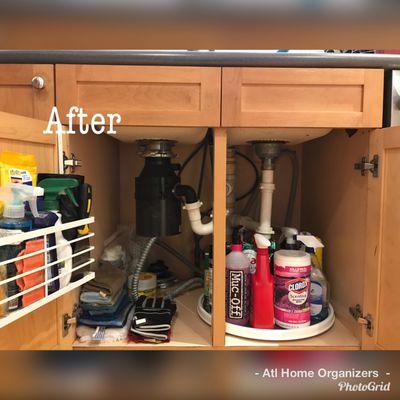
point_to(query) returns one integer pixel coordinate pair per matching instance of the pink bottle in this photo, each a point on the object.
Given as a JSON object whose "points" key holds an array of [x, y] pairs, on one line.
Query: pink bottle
{"points": [[262, 292], [238, 281]]}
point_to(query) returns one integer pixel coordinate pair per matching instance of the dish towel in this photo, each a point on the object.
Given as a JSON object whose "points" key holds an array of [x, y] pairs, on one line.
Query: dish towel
{"points": [[34, 279], [108, 282], [152, 320], [117, 319], [87, 334], [97, 301]]}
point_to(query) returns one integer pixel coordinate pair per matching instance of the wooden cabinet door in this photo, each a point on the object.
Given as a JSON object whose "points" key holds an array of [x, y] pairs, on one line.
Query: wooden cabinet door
{"points": [[18, 95], [41, 329], [142, 95], [302, 97], [382, 277]]}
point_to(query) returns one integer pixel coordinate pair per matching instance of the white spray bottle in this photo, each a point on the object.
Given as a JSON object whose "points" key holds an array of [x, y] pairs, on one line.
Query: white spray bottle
{"points": [[14, 196], [319, 293]]}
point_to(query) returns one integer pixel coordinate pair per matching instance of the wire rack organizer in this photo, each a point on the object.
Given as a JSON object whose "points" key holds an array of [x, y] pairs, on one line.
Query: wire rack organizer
{"points": [[12, 316]]}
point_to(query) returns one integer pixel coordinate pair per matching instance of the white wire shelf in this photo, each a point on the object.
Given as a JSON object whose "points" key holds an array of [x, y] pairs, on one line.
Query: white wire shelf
{"points": [[43, 280]]}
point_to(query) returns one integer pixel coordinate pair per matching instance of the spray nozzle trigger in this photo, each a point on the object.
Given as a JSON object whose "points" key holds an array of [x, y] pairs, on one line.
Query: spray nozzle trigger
{"points": [[289, 233], [18, 194], [261, 241], [310, 241]]}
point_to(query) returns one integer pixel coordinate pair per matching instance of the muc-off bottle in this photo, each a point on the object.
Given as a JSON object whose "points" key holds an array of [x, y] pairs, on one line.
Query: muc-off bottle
{"points": [[238, 285], [208, 279]]}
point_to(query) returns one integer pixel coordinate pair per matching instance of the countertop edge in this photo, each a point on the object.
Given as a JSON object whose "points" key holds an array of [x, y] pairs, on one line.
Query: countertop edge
{"points": [[201, 58]]}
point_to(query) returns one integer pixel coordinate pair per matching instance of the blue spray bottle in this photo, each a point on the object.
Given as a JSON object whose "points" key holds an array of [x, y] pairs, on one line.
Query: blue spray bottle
{"points": [[15, 195]]}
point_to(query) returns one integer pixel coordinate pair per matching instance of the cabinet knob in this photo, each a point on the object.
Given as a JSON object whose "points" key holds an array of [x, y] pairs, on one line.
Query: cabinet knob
{"points": [[38, 82]]}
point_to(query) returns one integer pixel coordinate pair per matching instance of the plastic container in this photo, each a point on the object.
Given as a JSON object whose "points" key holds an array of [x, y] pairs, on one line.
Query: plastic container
{"points": [[208, 279], [147, 284], [238, 281], [14, 196], [251, 254], [319, 292], [292, 288], [262, 292]]}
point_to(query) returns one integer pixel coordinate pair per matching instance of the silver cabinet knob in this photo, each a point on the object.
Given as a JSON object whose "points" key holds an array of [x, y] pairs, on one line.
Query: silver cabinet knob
{"points": [[38, 82]]}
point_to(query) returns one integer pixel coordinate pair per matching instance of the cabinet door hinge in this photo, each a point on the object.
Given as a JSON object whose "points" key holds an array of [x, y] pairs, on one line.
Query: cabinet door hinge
{"points": [[69, 320], [372, 165], [71, 163], [365, 320]]}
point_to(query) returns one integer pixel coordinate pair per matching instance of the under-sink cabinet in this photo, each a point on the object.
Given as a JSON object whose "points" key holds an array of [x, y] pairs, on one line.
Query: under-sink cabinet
{"points": [[355, 212]]}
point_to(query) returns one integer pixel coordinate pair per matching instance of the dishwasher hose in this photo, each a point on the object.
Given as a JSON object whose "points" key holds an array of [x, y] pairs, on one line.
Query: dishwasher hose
{"points": [[133, 280]]}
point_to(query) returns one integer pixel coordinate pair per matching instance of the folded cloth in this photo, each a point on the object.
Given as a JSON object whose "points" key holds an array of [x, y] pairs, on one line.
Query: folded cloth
{"points": [[87, 333], [152, 319], [105, 309], [144, 303], [95, 301], [110, 320], [140, 337], [159, 320], [7, 271], [109, 280], [35, 278], [108, 316]]}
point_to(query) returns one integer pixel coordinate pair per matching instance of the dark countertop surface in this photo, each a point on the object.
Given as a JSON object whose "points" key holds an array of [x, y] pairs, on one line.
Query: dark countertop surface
{"points": [[202, 58]]}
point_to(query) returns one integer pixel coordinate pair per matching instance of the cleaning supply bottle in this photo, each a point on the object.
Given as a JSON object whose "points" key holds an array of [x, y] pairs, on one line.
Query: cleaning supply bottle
{"points": [[53, 189], [292, 288], [46, 219], [319, 293], [13, 222], [262, 293], [238, 284], [319, 289], [251, 254], [289, 239], [14, 195], [208, 279]]}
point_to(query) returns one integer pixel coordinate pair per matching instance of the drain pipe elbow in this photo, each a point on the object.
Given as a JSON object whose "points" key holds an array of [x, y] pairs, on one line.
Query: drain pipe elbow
{"points": [[185, 191], [192, 206], [196, 223]]}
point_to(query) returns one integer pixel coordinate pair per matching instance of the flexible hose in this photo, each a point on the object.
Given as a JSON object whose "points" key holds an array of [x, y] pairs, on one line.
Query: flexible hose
{"points": [[293, 187], [133, 282], [178, 255], [183, 287], [194, 152]]}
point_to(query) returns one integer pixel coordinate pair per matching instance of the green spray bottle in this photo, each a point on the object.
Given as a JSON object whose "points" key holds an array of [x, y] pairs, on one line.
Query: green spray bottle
{"points": [[53, 189]]}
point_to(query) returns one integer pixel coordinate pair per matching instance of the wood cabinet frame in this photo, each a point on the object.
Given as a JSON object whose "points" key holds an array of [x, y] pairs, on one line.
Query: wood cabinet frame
{"points": [[302, 97], [368, 81]]}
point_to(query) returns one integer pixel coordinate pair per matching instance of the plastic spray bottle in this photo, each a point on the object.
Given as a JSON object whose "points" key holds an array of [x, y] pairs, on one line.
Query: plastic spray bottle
{"points": [[238, 284], [15, 195], [208, 279], [13, 222], [262, 315], [319, 289], [289, 239], [53, 188]]}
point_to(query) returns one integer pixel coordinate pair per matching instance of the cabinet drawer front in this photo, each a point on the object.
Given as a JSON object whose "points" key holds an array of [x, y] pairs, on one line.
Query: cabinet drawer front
{"points": [[302, 97], [19, 96], [143, 95]]}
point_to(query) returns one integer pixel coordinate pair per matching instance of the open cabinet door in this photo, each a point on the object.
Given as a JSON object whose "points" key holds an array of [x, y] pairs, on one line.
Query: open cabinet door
{"points": [[382, 273], [43, 328]]}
